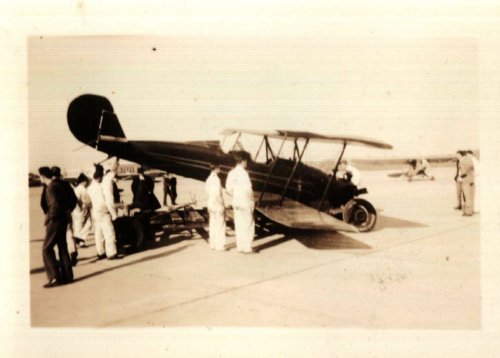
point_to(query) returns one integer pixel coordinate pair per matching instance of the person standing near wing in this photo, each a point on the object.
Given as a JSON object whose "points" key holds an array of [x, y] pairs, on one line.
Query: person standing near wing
{"points": [[239, 186], [173, 188], [142, 189], [169, 188], [166, 187], [475, 191], [215, 206], [467, 175], [458, 181]]}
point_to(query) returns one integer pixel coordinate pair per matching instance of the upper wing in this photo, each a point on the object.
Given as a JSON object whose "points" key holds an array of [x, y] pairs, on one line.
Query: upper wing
{"points": [[295, 215], [292, 135]]}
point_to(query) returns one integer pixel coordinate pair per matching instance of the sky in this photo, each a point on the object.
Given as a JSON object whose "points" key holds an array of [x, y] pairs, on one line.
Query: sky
{"points": [[419, 94]]}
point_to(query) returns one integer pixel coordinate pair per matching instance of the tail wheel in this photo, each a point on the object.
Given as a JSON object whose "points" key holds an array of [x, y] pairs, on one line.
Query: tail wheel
{"points": [[361, 214]]}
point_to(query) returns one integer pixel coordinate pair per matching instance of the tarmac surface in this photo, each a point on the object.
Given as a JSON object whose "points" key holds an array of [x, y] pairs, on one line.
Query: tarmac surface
{"points": [[419, 269]]}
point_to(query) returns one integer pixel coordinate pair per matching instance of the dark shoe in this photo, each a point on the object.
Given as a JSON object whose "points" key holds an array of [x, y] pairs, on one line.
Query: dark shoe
{"points": [[74, 258], [65, 281], [458, 208], [101, 257], [115, 257], [52, 283], [222, 250]]}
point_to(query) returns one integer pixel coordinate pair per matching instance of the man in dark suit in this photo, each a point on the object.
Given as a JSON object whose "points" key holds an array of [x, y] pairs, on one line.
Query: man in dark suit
{"points": [[55, 200], [142, 189], [173, 188], [169, 188], [71, 200]]}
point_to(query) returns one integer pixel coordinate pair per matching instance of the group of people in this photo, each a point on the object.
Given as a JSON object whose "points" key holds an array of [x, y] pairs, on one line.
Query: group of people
{"points": [[467, 167], [239, 187], [72, 212]]}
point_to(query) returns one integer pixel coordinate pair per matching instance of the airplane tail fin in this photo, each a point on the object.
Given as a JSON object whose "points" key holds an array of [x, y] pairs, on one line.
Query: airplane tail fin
{"points": [[91, 119]]}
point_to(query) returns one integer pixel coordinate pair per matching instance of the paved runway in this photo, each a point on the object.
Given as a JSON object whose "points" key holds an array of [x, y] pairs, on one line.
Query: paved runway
{"points": [[420, 268]]}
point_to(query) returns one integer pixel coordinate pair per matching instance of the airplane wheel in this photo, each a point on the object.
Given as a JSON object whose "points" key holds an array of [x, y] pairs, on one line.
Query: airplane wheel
{"points": [[361, 214]]}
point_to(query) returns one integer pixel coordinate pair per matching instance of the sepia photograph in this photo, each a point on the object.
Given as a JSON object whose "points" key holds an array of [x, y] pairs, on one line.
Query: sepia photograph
{"points": [[354, 168], [240, 177]]}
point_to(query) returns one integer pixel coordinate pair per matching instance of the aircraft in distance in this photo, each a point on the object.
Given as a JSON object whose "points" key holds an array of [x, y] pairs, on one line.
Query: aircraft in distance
{"points": [[287, 191], [417, 169]]}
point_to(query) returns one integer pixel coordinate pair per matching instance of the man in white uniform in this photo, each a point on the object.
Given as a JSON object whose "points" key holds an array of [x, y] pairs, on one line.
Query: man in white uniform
{"points": [[81, 215], [466, 167], [215, 206], [103, 214], [349, 173], [475, 166], [239, 186]]}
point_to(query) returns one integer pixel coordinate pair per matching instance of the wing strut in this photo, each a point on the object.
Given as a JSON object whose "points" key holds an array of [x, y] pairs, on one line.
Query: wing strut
{"points": [[269, 150], [236, 142], [260, 147], [297, 161], [270, 171], [333, 176]]}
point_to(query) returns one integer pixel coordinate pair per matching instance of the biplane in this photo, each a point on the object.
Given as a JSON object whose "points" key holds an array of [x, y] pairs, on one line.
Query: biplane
{"points": [[287, 191]]}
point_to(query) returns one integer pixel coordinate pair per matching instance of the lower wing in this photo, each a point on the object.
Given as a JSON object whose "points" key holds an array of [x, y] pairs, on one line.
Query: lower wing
{"points": [[295, 215]]}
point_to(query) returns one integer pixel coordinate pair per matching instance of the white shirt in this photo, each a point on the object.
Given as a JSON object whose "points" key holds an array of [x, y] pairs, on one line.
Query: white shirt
{"points": [[101, 203], [82, 197], [238, 184], [213, 188], [356, 175], [475, 164], [107, 183]]}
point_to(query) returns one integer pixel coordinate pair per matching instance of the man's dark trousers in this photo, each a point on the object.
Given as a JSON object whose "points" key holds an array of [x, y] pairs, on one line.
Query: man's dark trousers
{"points": [[55, 234]]}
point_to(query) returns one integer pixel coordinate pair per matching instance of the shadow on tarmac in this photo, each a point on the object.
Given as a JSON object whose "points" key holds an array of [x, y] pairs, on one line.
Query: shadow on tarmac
{"points": [[330, 241], [386, 222], [144, 259], [313, 239], [151, 245]]}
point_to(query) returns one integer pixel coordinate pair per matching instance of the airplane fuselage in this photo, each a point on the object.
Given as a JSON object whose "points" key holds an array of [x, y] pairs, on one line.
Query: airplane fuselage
{"points": [[194, 160]]}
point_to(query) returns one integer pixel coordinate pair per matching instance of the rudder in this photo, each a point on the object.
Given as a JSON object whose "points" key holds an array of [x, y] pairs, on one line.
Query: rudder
{"points": [[91, 117]]}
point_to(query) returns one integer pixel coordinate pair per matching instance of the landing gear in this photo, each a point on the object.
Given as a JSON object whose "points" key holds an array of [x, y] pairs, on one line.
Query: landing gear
{"points": [[361, 214]]}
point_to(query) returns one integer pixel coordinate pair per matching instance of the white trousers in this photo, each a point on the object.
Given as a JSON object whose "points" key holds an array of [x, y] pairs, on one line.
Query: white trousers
{"points": [[244, 225], [104, 235], [70, 240], [459, 194], [217, 230], [468, 189], [81, 225]]}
